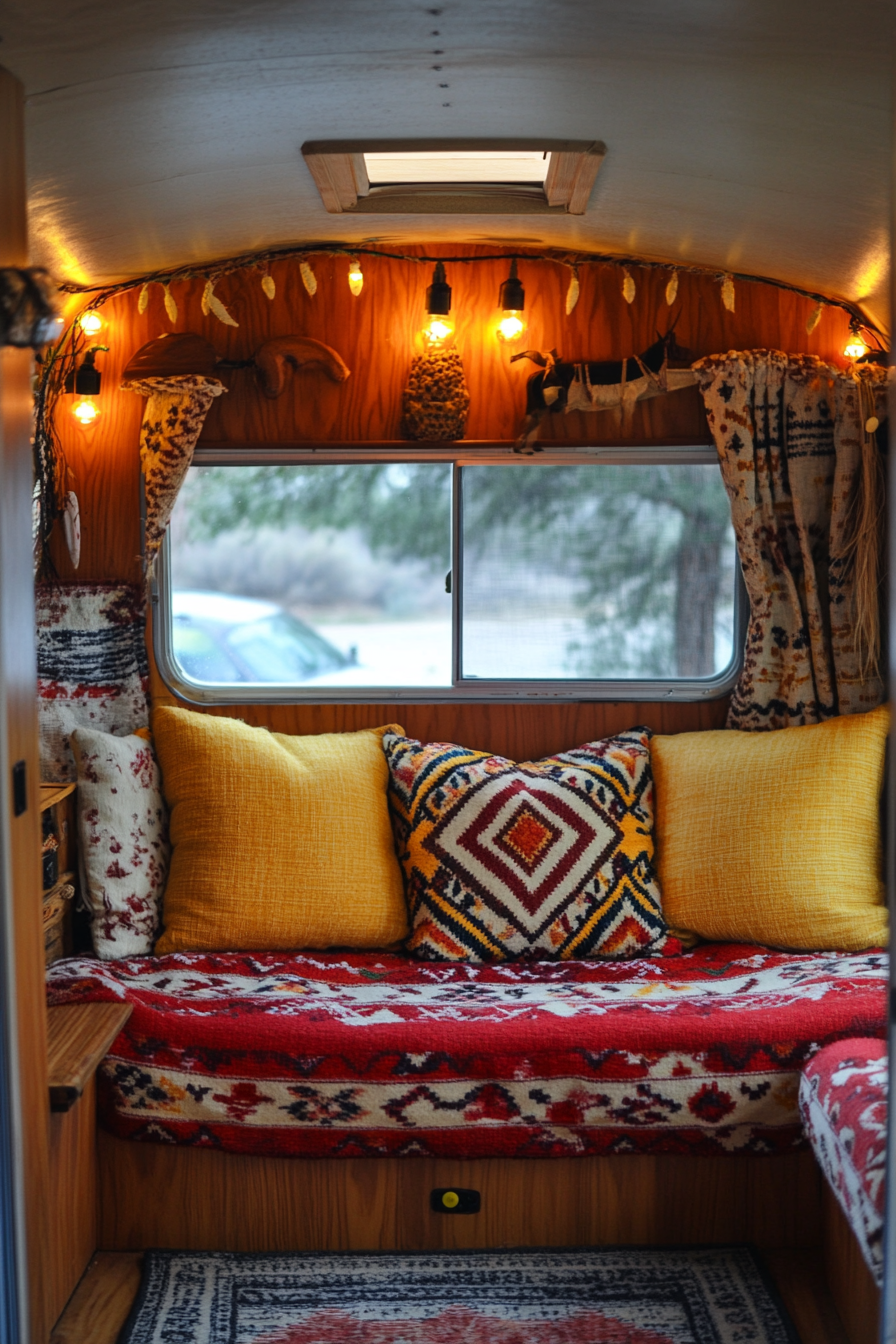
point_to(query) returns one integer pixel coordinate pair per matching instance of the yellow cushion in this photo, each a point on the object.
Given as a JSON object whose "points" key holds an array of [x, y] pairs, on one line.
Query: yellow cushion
{"points": [[774, 837], [278, 842]]}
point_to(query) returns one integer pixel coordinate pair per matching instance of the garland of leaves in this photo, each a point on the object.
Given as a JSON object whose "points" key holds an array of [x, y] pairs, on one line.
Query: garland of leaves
{"points": [[63, 359]]}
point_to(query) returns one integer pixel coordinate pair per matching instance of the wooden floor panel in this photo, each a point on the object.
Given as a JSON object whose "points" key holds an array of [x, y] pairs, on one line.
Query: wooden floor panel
{"points": [[101, 1303]]}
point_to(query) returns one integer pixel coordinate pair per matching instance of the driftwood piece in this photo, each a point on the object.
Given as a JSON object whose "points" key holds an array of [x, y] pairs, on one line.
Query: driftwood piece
{"points": [[172, 355], [296, 352]]}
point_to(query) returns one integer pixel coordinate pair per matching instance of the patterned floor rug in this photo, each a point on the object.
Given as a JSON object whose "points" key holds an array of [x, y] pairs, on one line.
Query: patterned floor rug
{"points": [[716, 1295]]}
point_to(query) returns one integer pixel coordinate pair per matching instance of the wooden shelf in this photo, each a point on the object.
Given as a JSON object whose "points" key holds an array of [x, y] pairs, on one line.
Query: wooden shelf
{"points": [[54, 793], [78, 1036]]}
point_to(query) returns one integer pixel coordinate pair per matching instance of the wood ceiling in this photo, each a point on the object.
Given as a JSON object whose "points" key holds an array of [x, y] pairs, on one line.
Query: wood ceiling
{"points": [[752, 136]]}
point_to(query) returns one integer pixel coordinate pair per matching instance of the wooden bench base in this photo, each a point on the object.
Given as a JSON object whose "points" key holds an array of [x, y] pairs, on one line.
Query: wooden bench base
{"points": [[151, 1195]]}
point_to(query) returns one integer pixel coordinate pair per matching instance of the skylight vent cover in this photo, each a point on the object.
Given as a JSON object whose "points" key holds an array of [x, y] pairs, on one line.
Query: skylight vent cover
{"points": [[454, 177]]}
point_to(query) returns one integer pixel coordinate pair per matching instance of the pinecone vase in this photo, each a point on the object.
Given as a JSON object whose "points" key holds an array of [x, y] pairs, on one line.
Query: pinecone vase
{"points": [[435, 402]]}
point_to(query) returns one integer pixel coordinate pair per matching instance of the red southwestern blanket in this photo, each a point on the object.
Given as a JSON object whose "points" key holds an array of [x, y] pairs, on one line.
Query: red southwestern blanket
{"points": [[371, 1054]]}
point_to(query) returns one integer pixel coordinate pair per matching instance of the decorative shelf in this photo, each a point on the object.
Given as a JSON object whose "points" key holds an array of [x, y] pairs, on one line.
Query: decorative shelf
{"points": [[78, 1037]]}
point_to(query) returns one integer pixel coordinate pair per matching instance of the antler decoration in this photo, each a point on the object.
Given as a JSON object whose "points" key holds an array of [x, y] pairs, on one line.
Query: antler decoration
{"points": [[296, 352]]}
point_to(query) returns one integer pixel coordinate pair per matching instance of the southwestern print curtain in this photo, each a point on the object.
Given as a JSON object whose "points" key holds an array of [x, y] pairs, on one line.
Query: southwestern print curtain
{"points": [[806, 485]]}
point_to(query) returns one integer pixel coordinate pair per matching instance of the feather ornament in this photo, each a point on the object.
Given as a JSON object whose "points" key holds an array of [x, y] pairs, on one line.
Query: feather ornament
{"points": [[216, 307], [572, 294], [672, 289], [728, 293], [309, 279], [71, 525], [628, 287], [267, 284], [814, 318], [170, 305], [204, 299], [143, 301]]}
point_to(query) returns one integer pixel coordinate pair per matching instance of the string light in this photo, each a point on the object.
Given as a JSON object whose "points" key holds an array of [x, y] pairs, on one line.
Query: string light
{"points": [[355, 277], [511, 301], [85, 411], [855, 347], [91, 322], [438, 327]]}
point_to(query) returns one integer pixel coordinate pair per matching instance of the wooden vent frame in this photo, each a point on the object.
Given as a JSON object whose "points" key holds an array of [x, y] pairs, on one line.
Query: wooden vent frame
{"points": [[340, 173]]}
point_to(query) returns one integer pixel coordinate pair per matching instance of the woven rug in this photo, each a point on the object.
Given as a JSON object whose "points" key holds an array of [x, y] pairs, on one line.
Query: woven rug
{"points": [[717, 1295]]}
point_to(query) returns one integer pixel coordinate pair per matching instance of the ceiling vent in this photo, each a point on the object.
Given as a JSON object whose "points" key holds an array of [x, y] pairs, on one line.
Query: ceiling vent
{"points": [[454, 177]]}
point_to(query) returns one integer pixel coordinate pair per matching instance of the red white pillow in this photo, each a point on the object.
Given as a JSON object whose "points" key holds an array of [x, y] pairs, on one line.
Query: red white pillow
{"points": [[550, 858], [123, 840]]}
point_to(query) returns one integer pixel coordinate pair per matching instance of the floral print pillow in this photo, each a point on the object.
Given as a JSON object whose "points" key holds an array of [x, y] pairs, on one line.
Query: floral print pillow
{"points": [[123, 840]]}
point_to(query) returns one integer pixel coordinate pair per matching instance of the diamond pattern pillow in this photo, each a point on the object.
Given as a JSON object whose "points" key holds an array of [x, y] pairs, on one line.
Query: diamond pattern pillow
{"points": [[550, 858]]}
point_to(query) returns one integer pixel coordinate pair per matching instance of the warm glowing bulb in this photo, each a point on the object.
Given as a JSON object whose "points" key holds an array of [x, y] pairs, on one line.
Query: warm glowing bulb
{"points": [[355, 278], [511, 327], [90, 322], [438, 328], [85, 411], [856, 348]]}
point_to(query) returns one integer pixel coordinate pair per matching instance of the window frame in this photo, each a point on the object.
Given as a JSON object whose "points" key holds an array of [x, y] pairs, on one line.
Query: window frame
{"points": [[471, 690]]}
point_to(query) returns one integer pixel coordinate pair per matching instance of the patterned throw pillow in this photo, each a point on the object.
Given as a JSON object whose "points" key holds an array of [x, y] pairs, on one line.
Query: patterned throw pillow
{"points": [[123, 840], [550, 858]]}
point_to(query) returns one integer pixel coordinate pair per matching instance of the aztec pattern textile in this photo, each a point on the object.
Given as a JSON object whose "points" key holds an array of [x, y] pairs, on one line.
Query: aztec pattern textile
{"points": [[796, 460], [597, 1296], [92, 667], [549, 858], [843, 1102], [379, 1055], [172, 422], [123, 840]]}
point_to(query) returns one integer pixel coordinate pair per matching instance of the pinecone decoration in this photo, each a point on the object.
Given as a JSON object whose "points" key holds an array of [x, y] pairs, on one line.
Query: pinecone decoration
{"points": [[435, 401]]}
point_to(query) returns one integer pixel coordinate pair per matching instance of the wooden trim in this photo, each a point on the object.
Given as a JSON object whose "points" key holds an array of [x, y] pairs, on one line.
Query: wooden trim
{"points": [[154, 1195], [50, 794], [571, 177], [78, 1036], [856, 1296]]}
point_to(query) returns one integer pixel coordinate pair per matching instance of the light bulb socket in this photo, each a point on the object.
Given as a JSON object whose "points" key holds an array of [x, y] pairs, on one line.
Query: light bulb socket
{"points": [[438, 295], [512, 296], [86, 381]]}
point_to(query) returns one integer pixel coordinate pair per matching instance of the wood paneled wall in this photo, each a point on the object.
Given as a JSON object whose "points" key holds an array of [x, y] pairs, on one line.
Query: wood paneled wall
{"points": [[374, 333]]}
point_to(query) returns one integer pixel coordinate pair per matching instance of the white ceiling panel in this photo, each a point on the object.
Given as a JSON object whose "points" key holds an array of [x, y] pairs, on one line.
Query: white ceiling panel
{"points": [[748, 136]]}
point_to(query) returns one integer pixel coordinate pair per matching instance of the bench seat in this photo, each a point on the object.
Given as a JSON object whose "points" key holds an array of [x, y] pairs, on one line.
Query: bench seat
{"points": [[378, 1055]]}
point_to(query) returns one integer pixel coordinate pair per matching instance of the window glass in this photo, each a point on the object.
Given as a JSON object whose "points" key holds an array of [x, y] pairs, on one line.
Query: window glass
{"points": [[330, 575], [596, 571]]}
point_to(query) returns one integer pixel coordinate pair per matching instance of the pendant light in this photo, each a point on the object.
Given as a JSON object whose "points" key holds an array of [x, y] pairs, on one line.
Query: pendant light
{"points": [[438, 327], [511, 301]]}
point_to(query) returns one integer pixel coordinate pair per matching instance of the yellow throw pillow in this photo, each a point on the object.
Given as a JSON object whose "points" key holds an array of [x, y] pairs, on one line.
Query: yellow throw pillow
{"points": [[278, 842], [775, 837]]}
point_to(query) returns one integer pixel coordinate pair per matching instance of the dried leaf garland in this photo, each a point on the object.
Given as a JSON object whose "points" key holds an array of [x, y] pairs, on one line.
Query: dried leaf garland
{"points": [[309, 279], [728, 293], [572, 294], [672, 289], [628, 287], [814, 318], [216, 307], [170, 305], [204, 299], [143, 301], [267, 284]]}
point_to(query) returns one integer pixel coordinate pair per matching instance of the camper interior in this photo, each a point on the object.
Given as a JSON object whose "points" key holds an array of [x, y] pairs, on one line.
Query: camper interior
{"points": [[443, 655]]}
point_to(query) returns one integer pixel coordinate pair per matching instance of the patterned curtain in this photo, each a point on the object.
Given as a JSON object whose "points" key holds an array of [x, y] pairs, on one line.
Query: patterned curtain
{"points": [[806, 484], [172, 422]]}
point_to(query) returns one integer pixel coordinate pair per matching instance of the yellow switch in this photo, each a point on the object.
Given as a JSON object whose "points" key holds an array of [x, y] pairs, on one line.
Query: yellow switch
{"points": [[450, 1199]]}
